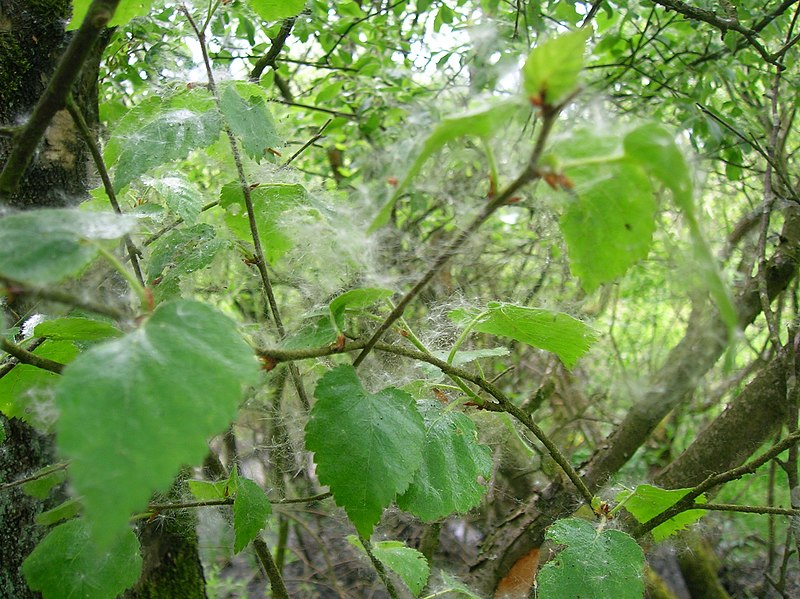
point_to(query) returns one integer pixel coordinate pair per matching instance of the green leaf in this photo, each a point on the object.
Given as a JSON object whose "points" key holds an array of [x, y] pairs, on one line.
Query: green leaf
{"points": [[179, 254], [251, 508], [646, 502], [76, 328], [320, 331], [180, 196], [26, 391], [48, 477], [483, 123], [250, 120], [456, 587], [39, 247], [2, 432], [126, 10], [64, 511], [552, 68], [272, 10], [556, 332], [170, 136], [204, 490], [594, 565], [68, 564], [356, 299], [196, 99], [461, 358], [453, 461], [610, 225], [269, 203], [409, 564], [162, 391], [655, 149], [367, 446]]}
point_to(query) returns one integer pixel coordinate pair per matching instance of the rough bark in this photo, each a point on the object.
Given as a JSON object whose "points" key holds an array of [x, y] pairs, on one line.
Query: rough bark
{"points": [[31, 40], [748, 422]]}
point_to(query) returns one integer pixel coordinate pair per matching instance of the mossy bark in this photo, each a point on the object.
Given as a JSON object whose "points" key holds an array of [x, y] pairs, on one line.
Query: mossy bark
{"points": [[31, 40], [699, 566], [172, 568]]}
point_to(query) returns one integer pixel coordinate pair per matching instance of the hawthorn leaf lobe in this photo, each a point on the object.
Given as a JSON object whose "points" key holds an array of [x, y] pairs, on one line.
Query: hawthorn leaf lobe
{"points": [[134, 410], [367, 446]]}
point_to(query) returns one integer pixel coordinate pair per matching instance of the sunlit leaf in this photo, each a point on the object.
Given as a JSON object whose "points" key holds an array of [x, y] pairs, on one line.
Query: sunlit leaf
{"points": [[552, 68], [453, 462], [655, 149], [269, 203], [646, 502], [610, 225], [250, 120], [356, 299], [483, 123], [204, 490], [556, 332], [126, 10], [272, 10], [170, 136], [27, 391], [76, 329], [366, 446], [592, 565], [162, 390], [68, 564]]}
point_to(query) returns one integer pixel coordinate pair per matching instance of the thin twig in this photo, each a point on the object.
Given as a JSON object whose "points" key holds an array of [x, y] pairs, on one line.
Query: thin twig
{"points": [[261, 262], [88, 138], [278, 587], [529, 174], [61, 297], [278, 43], [317, 136], [379, 568], [746, 509], [41, 474], [688, 500], [26, 357]]}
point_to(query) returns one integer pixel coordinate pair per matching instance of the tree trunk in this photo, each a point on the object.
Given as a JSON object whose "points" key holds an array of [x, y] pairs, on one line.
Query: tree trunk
{"points": [[32, 39]]}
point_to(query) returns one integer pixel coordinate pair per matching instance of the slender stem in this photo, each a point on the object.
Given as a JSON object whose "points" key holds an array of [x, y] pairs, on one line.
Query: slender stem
{"points": [[529, 174], [688, 500], [26, 357], [134, 283], [86, 133], [279, 590], [317, 136], [41, 474], [261, 263], [504, 402], [61, 297], [746, 509], [463, 337], [376, 563]]}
